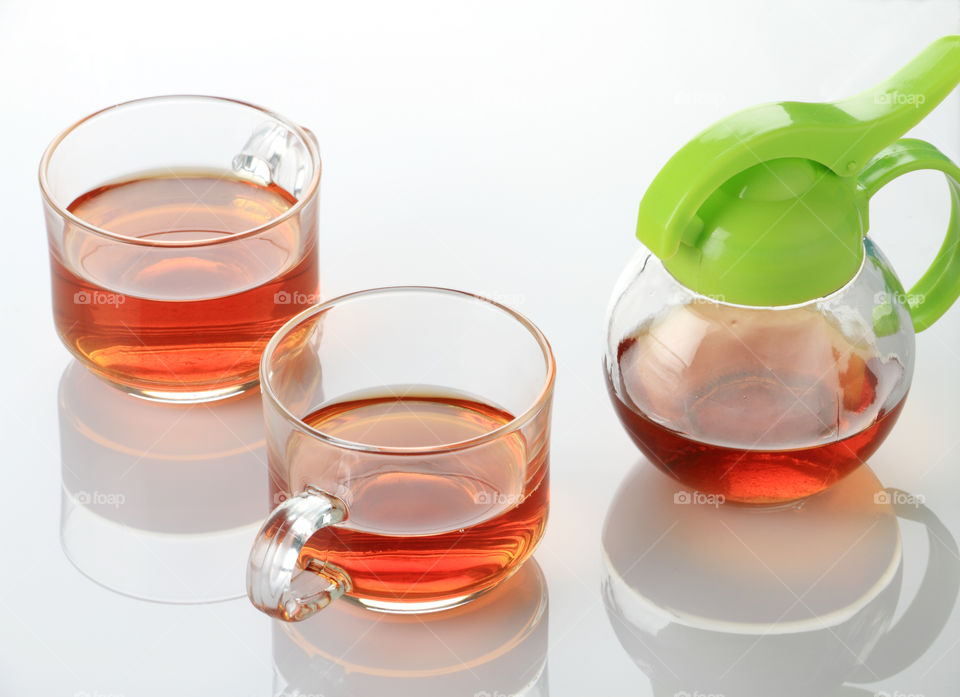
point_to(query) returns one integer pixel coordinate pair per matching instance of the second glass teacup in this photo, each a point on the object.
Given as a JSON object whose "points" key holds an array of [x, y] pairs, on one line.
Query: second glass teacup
{"points": [[410, 425]]}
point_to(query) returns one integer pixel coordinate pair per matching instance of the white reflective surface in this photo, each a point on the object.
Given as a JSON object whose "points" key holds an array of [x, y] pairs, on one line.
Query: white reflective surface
{"points": [[160, 501], [500, 148], [796, 600]]}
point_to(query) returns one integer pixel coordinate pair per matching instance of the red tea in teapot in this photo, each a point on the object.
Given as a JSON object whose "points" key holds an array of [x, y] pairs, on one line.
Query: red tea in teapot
{"points": [[756, 409]]}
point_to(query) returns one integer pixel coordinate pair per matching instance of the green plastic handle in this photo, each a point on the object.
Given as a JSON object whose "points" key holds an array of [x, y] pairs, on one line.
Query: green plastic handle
{"points": [[939, 287], [842, 136]]}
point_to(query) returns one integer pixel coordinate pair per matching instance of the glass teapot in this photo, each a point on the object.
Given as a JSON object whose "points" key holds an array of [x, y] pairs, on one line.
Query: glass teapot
{"points": [[760, 347]]}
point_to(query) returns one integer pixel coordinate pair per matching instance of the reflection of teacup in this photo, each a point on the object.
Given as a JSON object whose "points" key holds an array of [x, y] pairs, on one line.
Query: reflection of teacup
{"points": [[496, 645], [160, 501], [753, 602]]}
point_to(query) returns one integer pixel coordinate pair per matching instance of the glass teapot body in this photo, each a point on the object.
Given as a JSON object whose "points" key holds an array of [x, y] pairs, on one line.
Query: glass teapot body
{"points": [[758, 404]]}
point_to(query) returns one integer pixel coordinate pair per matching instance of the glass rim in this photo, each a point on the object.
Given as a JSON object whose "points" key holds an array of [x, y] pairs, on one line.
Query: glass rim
{"points": [[309, 191], [517, 422]]}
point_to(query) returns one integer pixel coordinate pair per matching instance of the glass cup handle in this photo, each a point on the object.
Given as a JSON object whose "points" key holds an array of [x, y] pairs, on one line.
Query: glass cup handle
{"points": [[273, 154], [277, 583]]}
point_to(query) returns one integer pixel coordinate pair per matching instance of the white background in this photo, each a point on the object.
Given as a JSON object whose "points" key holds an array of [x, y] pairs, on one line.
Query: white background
{"points": [[499, 147]]}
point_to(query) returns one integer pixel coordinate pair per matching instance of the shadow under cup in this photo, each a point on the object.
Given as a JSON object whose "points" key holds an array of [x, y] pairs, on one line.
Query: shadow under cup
{"points": [[182, 234], [407, 438]]}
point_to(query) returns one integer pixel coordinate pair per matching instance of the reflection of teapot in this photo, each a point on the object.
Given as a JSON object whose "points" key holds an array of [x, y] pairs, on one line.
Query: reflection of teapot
{"points": [[494, 646], [747, 602], [160, 501], [763, 346]]}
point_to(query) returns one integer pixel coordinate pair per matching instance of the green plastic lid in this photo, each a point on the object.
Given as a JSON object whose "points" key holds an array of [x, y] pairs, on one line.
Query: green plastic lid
{"points": [[769, 205]]}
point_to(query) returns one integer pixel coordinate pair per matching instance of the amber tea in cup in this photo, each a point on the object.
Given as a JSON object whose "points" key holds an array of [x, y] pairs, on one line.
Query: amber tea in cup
{"points": [[407, 439], [182, 235]]}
